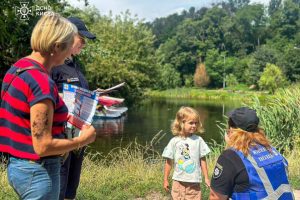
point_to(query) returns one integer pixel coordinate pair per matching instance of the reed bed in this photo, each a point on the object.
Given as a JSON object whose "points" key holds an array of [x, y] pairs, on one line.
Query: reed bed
{"points": [[204, 94], [279, 116]]}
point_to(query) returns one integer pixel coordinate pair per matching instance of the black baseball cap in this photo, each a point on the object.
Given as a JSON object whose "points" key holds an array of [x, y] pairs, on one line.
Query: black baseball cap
{"points": [[244, 118], [82, 30]]}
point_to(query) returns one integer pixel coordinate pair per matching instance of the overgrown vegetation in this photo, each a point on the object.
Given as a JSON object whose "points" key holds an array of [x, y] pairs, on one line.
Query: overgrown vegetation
{"points": [[280, 116]]}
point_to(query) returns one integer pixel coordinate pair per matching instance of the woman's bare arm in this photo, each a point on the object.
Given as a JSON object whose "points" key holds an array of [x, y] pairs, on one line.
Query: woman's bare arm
{"points": [[41, 120]]}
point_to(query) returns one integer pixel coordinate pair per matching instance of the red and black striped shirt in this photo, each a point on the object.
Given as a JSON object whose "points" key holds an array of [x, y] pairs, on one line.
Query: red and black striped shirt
{"points": [[24, 91]]}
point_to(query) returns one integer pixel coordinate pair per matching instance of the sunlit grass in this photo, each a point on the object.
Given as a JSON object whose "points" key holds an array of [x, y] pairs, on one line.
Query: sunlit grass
{"points": [[205, 94], [133, 172]]}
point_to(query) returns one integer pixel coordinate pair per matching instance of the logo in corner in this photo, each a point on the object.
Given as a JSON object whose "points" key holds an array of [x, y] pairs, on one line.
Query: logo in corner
{"points": [[23, 11]]}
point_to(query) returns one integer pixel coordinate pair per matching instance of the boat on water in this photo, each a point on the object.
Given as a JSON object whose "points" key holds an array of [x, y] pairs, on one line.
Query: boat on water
{"points": [[110, 112], [109, 101], [109, 107]]}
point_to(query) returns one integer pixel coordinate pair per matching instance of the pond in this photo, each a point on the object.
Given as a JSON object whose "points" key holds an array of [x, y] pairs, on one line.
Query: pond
{"points": [[142, 123]]}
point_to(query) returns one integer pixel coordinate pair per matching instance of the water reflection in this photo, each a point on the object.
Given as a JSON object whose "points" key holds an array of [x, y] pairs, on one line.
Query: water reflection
{"points": [[142, 123], [109, 127]]}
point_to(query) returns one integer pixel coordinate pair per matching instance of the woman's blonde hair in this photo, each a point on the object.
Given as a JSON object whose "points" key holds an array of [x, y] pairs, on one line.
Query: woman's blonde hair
{"points": [[243, 140], [51, 30], [183, 114]]}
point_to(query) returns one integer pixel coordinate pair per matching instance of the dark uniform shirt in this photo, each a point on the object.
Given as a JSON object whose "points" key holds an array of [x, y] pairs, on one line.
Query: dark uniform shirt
{"points": [[68, 73], [230, 174]]}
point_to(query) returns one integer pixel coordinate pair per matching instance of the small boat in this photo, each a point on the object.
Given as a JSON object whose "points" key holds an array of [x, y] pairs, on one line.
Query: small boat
{"points": [[109, 101], [110, 112]]}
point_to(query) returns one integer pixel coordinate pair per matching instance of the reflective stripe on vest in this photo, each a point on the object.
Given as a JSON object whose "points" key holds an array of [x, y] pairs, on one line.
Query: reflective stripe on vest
{"points": [[260, 175], [272, 194]]}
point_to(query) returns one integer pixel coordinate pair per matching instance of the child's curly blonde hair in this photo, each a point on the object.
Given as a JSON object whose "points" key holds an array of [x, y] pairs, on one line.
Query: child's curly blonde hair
{"points": [[184, 114]]}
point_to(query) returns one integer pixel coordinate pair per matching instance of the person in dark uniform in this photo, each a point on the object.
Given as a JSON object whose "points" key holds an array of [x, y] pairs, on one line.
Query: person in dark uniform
{"points": [[70, 73], [250, 168]]}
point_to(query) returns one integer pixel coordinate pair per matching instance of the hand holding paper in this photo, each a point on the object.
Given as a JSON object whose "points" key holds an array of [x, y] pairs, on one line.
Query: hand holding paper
{"points": [[81, 104]]}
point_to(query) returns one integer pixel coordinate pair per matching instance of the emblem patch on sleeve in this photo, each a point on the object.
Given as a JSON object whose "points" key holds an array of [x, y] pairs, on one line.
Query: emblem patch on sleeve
{"points": [[217, 171]]}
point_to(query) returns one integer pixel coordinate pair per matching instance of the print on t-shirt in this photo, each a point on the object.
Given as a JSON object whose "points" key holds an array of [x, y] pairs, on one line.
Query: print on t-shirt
{"points": [[185, 163]]}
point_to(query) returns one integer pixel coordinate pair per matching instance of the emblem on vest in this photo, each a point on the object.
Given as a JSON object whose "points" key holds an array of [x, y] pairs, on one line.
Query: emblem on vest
{"points": [[217, 171]]}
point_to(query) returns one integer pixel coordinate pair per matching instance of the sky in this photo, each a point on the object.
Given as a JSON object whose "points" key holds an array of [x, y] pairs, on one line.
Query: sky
{"points": [[148, 9]]}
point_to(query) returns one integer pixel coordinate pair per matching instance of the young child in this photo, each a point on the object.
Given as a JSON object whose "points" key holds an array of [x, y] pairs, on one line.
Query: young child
{"points": [[187, 152]]}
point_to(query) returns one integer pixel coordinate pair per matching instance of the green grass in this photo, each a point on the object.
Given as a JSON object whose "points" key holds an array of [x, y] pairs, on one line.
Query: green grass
{"points": [[204, 94], [134, 172], [293, 157]]}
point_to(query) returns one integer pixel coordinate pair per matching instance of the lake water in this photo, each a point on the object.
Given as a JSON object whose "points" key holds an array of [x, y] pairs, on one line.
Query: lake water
{"points": [[141, 124]]}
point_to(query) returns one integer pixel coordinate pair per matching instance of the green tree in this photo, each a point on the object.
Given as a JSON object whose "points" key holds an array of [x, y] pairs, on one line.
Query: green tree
{"points": [[245, 30], [290, 62], [215, 68], [15, 33], [257, 64], [272, 78], [123, 52], [168, 77], [165, 27], [285, 19], [231, 80]]}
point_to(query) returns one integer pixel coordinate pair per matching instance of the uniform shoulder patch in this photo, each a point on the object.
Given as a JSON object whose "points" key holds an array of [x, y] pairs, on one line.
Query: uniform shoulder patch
{"points": [[217, 171]]}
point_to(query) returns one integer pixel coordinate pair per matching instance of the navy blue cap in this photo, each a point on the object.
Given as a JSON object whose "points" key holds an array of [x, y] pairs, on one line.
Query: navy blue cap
{"points": [[244, 118], [82, 30]]}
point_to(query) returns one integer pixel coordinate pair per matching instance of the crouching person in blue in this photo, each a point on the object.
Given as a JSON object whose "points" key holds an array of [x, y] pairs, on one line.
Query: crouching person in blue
{"points": [[250, 168]]}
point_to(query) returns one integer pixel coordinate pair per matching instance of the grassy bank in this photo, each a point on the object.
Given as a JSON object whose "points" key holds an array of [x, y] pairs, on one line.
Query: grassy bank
{"points": [[134, 172], [204, 94]]}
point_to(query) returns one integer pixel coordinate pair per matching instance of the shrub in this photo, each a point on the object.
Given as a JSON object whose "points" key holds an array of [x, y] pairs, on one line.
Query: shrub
{"points": [[188, 80], [201, 78], [272, 78], [231, 80], [168, 77]]}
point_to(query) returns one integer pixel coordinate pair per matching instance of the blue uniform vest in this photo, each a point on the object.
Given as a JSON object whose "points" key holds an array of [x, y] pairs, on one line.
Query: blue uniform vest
{"points": [[267, 176]]}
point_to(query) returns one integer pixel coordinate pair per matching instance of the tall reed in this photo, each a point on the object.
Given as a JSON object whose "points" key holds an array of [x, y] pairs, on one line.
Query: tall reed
{"points": [[280, 116]]}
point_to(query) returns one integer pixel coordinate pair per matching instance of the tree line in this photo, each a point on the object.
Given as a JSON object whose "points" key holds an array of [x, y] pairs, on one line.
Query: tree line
{"points": [[226, 44]]}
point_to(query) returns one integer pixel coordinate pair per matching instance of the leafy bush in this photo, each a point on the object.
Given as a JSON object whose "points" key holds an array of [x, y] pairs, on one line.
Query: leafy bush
{"points": [[272, 78], [188, 80], [168, 77], [201, 78], [231, 80]]}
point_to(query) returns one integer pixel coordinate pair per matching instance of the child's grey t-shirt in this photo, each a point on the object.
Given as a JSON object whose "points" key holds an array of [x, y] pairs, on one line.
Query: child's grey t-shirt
{"points": [[186, 154]]}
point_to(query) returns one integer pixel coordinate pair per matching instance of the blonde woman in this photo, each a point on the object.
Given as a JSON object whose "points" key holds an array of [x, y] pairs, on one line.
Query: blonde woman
{"points": [[33, 115], [250, 168], [186, 151]]}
